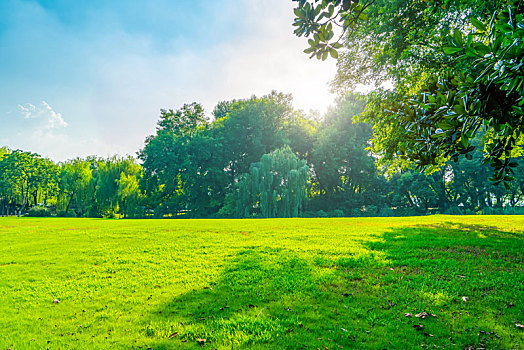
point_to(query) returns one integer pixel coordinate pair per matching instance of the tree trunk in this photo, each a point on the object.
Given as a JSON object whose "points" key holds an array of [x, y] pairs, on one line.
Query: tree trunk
{"points": [[69, 202]]}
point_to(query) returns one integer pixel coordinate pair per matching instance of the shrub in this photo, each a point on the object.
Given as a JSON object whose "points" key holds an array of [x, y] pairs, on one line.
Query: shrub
{"points": [[371, 210], [338, 213], [69, 214], [356, 212], [39, 211], [386, 212], [321, 214]]}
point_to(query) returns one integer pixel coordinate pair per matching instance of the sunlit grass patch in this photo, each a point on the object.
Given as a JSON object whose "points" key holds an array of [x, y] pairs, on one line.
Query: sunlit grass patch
{"points": [[276, 283]]}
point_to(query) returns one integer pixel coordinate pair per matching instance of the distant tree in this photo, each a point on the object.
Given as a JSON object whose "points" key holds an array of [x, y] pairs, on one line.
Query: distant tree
{"points": [[276, 185], [176, 160], [251, 129], [75, 180], [26, 179], [344, 173]]}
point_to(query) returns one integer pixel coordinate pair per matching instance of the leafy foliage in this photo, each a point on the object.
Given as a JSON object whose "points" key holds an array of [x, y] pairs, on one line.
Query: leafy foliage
{"points": [[276, 185], [446, 88], [449, 110]]}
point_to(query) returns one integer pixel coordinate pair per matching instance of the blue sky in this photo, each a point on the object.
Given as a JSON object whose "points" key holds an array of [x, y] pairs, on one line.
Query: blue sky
{"points": [[80, 78]]}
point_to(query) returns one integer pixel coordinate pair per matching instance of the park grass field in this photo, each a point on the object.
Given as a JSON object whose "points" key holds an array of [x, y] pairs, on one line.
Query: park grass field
{"points": [[268, 283]]}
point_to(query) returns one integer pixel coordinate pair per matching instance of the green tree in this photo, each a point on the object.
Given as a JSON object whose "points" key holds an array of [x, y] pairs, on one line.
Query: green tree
{"points": [[444, 86], [275, 186], [344, 172], [75, 179]]}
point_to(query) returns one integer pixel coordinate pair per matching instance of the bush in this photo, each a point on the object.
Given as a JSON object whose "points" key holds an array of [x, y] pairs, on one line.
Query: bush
{"points": [[321, 214], [503, 211], [69, 214], [356, 212], [39, 212], [338, 213], [514, 210], [386, 212], [371, 210]]}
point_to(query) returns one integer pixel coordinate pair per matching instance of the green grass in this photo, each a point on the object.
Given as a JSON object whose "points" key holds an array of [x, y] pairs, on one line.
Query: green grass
{"points": [[275, 283]]}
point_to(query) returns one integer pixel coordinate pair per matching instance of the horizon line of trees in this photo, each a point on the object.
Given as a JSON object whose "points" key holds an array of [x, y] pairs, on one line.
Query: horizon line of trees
{"points": [[258, 157]]}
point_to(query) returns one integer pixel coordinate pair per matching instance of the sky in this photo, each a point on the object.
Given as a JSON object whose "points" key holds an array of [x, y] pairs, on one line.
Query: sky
{"points": [[81, 78]]}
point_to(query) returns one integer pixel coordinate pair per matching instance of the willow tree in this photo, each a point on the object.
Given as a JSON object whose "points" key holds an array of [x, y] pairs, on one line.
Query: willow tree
{"points": [[275, 186]]}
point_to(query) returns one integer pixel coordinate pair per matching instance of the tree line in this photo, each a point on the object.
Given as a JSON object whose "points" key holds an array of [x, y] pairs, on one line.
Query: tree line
{"points": [[256, 157]]}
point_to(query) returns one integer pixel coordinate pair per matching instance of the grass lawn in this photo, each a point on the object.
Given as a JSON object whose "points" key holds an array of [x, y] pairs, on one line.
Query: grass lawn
{"points": [[275, 283]]}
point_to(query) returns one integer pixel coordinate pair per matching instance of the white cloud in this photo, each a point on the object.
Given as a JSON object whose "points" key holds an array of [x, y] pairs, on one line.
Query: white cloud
{"points": [[27, 110], [49, 118]]}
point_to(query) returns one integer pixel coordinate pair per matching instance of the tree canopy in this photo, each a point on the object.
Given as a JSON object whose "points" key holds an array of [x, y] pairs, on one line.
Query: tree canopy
{"points": [[455, 67]]}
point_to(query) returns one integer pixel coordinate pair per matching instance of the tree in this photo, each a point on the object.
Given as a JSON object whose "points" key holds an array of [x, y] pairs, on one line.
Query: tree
{"points": [[344, 173], [484, 91], [26, 180], [250, 129], [276, 185], [165, 157], [444, 86], [75, 179]]}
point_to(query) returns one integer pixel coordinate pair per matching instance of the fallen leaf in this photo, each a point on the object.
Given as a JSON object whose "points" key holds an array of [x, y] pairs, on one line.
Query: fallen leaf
{"points": [[201, 340], [519, 326], [56, 301], [407, 314], [422, 315], [418, 326], [465, 298], [173, 335]]}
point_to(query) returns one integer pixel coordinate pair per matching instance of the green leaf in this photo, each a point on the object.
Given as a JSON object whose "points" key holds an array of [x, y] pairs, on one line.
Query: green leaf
{"points": [[299, 13], [448, 50], [333, 53], [478, 24], [457, 36]]}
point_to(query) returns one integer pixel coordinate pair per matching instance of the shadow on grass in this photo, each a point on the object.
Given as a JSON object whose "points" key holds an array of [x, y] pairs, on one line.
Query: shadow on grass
{"points": [[468, 279], [253, 303], [469, 276]]}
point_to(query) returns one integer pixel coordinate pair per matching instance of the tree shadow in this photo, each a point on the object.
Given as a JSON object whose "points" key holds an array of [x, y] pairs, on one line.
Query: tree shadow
{"points": [[253, 303], [276, 298], [469, 276]]}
